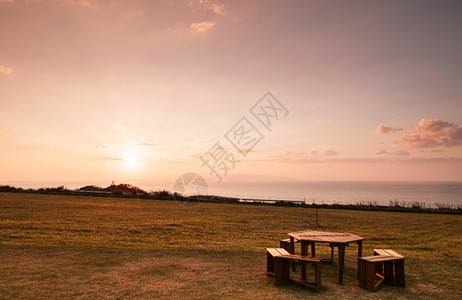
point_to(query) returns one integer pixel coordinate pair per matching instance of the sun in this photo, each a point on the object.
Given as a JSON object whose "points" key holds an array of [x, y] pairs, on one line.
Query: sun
{"points": [[131, 161]]}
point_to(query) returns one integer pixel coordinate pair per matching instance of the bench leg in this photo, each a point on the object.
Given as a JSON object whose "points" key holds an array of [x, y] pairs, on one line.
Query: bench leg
{"points": [[370, 277], [282, 271], [399, 273], [388, 273], [362, 273], [317, 274], [269, 264]]}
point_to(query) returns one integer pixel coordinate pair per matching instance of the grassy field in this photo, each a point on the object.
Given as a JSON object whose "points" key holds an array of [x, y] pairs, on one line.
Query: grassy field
{"points": [[55, 246]]}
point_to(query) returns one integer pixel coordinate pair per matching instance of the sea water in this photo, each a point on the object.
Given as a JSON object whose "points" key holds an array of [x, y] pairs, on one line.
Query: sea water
{"points": [[319, 192]]}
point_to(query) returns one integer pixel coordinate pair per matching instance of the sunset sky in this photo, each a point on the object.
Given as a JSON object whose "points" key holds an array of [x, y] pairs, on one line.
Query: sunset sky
{"points": [[118, 90]]}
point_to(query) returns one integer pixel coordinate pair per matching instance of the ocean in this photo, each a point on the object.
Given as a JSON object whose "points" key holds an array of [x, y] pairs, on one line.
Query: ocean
{"points": [[319, 192]]}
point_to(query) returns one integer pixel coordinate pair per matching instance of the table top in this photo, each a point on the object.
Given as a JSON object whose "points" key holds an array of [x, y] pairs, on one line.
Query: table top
{"points": [[325, 236]]}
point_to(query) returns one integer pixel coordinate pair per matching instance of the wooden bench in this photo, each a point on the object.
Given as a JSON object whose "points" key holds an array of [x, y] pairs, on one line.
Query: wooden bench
{"points": [[288, 245], [278, 265], [381, 264], [397, 265]]}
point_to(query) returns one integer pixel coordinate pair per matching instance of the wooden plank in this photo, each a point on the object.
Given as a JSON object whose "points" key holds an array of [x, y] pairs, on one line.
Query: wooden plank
{"points": [[282, 251], [380, 252], [378, 258], [382, 278], [388, 252], [393, 253], [305, 283], [272, 251], [301, 258]]}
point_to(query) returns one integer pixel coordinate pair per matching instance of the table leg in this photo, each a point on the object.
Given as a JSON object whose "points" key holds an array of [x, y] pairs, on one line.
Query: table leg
{"points": [[313, 251], [360, 251], [331, 253], [341, 262], [304, 252], [305, 248], [292, 242]]}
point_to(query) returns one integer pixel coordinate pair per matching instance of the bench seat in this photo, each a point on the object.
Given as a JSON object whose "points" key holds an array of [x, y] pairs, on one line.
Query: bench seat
{"points": [[278, 265], [386, 264]]}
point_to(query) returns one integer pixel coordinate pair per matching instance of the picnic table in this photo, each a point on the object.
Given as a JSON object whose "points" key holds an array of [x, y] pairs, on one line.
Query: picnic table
{"points": [[334, 239]]}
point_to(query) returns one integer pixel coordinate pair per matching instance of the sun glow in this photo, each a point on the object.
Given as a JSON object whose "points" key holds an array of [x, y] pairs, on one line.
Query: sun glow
{"points": [[131, 161]]}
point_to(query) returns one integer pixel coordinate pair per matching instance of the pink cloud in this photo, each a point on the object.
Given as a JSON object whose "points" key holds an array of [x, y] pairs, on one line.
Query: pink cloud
{"points": [[330, 152], [5, 70], [382, 151], [400, 153], [212, 5], [432, 133], [395, 153], [382, 129], [200, 27]]}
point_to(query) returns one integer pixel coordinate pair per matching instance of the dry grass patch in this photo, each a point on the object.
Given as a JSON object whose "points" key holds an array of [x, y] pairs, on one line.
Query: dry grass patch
{"points": [[88, 247]]}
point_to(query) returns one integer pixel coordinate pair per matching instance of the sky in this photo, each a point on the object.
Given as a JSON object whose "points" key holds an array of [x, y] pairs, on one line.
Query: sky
{"points": [[96, 91]]}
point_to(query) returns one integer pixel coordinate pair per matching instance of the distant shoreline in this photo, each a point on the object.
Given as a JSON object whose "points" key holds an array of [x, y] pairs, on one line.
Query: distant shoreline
{"points": [[129, 191]]}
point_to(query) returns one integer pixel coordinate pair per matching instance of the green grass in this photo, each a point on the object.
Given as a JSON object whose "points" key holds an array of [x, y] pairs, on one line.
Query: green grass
{"points": [[68, 246]]}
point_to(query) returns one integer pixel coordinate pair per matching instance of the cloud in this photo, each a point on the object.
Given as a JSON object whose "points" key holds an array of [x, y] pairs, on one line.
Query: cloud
{"points": [[382, 151], [112, 146], [400, 153], [431, 133], [86, 3], [3, 133], [382, 129], [304, 160], [395, 153], [117, 126], [330, 152], [314, 152], [217, 8], [131, 144], [379, 143], [154, 145], [200, 27], [5, 70], [109, 158]]}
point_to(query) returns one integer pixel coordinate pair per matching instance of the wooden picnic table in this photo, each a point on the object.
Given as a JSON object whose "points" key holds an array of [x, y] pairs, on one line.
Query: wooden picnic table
{"points": [[334, 239]]}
